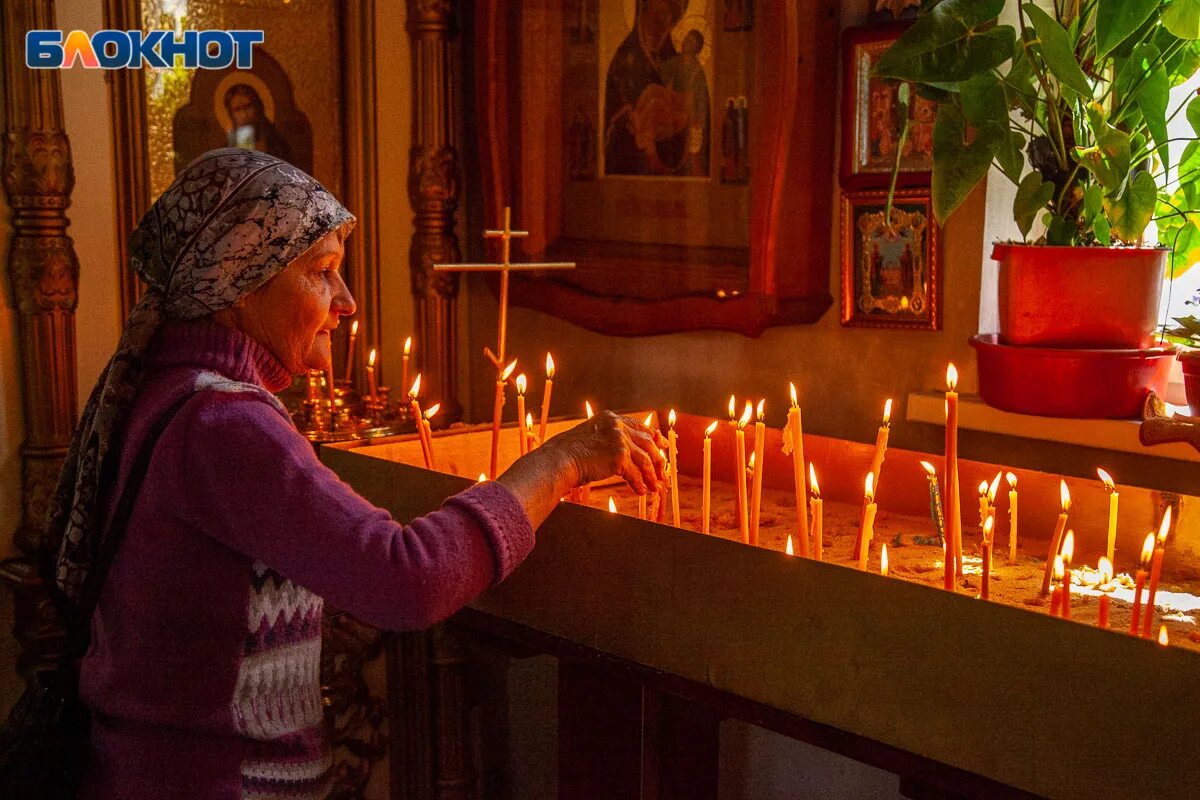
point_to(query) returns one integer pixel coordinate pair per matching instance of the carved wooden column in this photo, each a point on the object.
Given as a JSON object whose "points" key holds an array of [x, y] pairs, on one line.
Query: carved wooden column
{"points": [[433, 188], [38, 178]]}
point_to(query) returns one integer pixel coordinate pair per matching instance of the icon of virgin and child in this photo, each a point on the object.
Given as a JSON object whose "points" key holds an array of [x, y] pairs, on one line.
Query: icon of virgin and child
{"points": [[656, 103]]}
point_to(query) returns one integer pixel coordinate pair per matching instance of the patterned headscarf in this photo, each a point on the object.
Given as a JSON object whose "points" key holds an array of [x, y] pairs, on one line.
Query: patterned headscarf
{"points": [[230, 221]]}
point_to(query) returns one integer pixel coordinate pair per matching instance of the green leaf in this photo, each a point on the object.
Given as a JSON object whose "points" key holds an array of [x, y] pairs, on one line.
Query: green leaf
{"points": [[1193, 114], [1109, 160], [1057, 51], [1182, 18], [958, 166], [952, 42], [1131, 213], [1184, 62], [1152, 100], [1116, 20], [1093, 201], [1101, 229], [1011, 155], [1131, 72], [983, 101], [1033, 194], [1060, 231]]}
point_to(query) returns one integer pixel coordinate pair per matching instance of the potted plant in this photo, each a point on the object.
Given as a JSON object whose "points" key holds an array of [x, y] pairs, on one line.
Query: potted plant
{"points": [[1071, 104], [1187, 333]]}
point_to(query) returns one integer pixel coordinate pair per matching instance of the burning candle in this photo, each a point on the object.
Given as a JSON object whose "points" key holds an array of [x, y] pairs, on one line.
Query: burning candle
{"points": [[1163, 639], [935, 500], [522, 439], [883, 561], [867, 530], [430, 461], [404, 361], [584, 493], [985, 581], [1156, 571], [1056, 595], [739, 472], [983, 503], [673, 462], [953, 501], [482, 477], [796, 434], [529, 442], [1139, 581], [881, 441], [415, 404], [706, 500], [733, 411], [332, 398], [1113, 498], [612, 505], [1105, 568], [497, 411], [1068, 553], [1012, 517], [760, 467], [788, 547], [371, 373], [350, 349], [642, 498], [993, 490], [546, 397], [818, 514], [1056, 540]]}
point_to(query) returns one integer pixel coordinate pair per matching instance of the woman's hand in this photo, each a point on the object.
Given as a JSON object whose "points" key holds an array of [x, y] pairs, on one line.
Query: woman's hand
{"points": [[608, 444]]}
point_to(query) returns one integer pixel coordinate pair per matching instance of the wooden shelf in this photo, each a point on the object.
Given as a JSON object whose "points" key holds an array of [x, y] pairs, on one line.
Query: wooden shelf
{"points": [[1109, 434]]}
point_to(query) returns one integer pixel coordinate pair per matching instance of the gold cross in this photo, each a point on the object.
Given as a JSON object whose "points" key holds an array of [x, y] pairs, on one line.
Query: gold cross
{"points": [[504, 268]]}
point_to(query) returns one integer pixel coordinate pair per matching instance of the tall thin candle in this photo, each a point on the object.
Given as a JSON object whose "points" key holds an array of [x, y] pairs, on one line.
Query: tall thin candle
{"points": [[1105, 568], [818, 515], [760, 467], [1113, 500], [404, 361], [1012, 517], [935, 499], [796, 436], [1139, 581], [371, 374], [546, 397], [430, 460], [1156, 571], [881, 441], [739, 472], [332, 398], [953, 499], [529, 433], [522, 439], [985, 580], [673, 450], [1056, 540], [643, 498], [706, 501], [497, 412], [350, 350], [1056, 594], [1068, 554], [867, 529], [415, 405]]}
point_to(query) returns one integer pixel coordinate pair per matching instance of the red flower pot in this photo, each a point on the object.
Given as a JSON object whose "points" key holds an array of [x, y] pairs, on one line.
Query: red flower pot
{"points": [[1191, 379], [1096, 297]]}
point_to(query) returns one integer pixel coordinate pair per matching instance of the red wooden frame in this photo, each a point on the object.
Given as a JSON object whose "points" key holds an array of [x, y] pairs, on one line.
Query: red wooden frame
{"points": [[852, 39], [791, 214]]}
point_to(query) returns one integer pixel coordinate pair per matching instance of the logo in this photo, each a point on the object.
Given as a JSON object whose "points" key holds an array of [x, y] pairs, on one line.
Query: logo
{"points": [[110, 49]]}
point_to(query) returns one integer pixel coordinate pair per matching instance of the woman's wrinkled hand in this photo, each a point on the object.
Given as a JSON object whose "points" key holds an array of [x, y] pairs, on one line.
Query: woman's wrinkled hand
{"points": [[609, 444]]}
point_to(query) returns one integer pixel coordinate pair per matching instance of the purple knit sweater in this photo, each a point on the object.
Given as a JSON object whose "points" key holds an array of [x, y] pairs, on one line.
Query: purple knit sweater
{"points": [[202, 674]]}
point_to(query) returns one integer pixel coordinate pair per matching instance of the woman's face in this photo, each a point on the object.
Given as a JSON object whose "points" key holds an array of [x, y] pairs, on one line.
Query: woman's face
{"points": [[293, 314]]}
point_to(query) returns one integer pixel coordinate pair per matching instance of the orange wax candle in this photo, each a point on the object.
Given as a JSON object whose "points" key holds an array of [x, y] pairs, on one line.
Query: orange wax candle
{"points": [[881, 441], [427, 427], [404, 361], [416, 413], [796, 434], [1056, 539], [1113, 499], [1055, 597], [983, 503], [1068, 553], [953, 500], [760, 440], [1139, 581], [1012, 516], [546, 397], [818, 515], [1156, 572], [985, 581], [529, 434], [350, 350], [706, 500], [497, 411], [1105, 568], [867, 530], [371, 374], [522, 439], [739, 473], [993, 490], [673, 452], [641, 506], [332, 398]]}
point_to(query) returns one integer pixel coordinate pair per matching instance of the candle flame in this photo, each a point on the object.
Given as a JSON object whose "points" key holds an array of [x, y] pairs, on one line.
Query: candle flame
{"points": [[951, 377], [482, 477], [508, 370], [1068, 548], [1059, 569], [1164, 527], [709, 430], [869, 489], [612, 505], [371, 358], [1012, 481], [732, 408], [883, 562], [812, 479], [433, 409], [587, 409], [750, 463], [354, 328], [988, 524], [746, 415], [408, 345], [649, 418], [993, 489], [1064, 495], [792, 389], [983, 487], [529, 422], [789, 549], [549, 367], [887, 411], [416, 387], [1163, 639], [1108, 481], [758, 412], [930, 469], [522, 382], [1147, 550], [671, 418], [1105, 568]]}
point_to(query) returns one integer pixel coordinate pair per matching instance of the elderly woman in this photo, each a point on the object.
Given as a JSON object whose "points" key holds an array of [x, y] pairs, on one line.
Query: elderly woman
{"points": [[195, 534]]}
